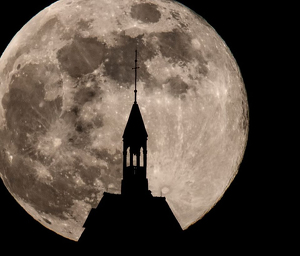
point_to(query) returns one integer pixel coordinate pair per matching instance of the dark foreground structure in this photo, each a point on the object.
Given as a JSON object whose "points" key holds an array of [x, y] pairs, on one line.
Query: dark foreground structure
{"points": [[133, 218], [131, 221]]}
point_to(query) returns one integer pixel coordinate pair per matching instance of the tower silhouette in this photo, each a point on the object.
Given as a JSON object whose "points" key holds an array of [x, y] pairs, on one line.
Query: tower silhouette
{"points": [[134, 215], [135, 137]]}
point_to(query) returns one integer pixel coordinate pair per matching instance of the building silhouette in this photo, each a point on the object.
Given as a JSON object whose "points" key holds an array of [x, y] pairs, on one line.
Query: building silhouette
{"points": [[133, 218]]}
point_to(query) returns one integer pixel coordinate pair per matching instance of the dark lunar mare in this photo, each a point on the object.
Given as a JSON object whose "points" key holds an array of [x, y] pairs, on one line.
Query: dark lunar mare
{"points": [[84, 55], [28, 120], [145, 12]]}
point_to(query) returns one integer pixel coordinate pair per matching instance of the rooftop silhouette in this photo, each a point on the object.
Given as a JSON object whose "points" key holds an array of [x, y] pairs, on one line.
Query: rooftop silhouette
{"points": [[134, 217]]}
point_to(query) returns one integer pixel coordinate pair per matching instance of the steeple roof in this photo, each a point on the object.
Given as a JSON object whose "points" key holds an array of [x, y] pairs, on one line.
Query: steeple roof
{"points": [[135, 128]]}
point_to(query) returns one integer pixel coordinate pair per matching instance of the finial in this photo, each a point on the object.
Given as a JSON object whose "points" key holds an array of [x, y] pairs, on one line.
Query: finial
{"points": [[135, 68]]}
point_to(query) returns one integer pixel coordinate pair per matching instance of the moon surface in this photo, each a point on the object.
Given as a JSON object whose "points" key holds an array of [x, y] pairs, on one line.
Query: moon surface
{"points": [[66, 90]]}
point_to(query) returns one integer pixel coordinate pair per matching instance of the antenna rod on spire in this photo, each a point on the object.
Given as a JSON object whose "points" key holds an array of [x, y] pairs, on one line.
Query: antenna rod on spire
{"points": [[135, 68]]}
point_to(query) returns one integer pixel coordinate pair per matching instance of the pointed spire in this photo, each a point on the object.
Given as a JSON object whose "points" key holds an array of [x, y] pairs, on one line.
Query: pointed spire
{"points": [[135, 68], [135, 182], [135, 130]]}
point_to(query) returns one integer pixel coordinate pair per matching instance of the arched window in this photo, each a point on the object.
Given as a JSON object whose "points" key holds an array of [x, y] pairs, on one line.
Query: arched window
{"points": [[127, 157], [142, 158], [135, 160]]}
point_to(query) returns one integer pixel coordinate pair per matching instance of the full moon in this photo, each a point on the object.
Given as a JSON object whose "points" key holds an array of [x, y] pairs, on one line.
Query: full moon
{"points": [[66, 91]]}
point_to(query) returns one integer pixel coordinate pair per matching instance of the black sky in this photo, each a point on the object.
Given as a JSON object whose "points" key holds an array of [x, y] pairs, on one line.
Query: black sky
{"points": [[245, 219]]}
